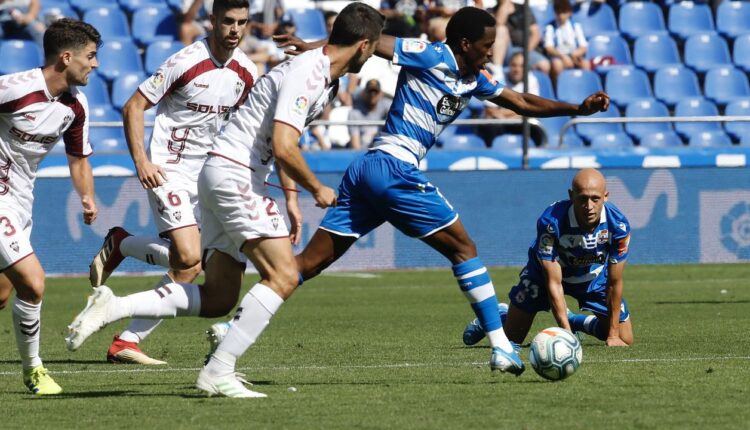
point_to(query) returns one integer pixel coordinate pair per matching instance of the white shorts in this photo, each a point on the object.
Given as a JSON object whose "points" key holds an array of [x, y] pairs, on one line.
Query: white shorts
{"points": [[174, 204], [15, 236], [232, 211]]}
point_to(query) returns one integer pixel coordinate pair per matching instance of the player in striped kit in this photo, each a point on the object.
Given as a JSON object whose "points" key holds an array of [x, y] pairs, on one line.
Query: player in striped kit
{"points": [[37, 107], [196, 91]]}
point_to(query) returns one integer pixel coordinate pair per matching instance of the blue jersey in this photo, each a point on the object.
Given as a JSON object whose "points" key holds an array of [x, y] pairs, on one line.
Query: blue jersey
{"points": [[430, 94], [582, 255]]}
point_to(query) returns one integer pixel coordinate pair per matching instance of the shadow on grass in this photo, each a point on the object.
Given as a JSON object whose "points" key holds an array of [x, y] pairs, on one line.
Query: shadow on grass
{"points": [[702, 302], [86, 394], [61, 362]]}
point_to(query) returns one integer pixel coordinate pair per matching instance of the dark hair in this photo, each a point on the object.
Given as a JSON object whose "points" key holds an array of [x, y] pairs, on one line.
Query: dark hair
{"points": [[469, 23], [562, 6], [67, 33], [355, 22], [221, 6]]}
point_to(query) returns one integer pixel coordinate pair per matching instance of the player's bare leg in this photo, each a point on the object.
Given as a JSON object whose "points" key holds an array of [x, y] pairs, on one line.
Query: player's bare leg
{"points": [[6, 288], [626, 329], [323, 250], [518, 324]]}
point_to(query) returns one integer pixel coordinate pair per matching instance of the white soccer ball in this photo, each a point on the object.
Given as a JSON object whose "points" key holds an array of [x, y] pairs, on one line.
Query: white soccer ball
{"points": [[555, 353]]}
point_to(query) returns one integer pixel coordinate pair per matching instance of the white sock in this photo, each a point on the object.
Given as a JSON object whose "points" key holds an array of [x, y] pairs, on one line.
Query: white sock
{"points": [[27, 324], [168, 300], [151, 250], [253, 316], [139, 329], [498, 338]]}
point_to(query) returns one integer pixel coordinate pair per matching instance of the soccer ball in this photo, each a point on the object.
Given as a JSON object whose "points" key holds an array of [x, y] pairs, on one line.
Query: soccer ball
{"points": [[555, 353]]}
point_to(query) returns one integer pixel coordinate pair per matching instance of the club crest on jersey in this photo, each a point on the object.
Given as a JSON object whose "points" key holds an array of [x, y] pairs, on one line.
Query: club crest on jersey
{"points": [[602, 237], [177, 215], [413, 46], [275, 222], [300, 105], [14, 246], [238, 87]]}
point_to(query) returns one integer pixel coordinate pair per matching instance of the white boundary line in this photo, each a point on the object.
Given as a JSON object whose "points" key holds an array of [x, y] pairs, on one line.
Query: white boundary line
{"points": [[374, 366]]}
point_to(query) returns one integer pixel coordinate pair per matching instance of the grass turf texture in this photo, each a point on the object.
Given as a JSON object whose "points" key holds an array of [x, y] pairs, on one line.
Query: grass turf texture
{"points": [[386, 352]]}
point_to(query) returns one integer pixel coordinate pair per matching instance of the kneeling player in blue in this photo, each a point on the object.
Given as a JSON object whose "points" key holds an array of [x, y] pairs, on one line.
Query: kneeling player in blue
{"points": [[434, 85], [580, 250]]}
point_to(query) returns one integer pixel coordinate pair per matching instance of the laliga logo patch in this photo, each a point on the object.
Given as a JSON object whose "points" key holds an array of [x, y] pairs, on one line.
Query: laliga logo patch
{"points": [[300, 105], [735, 230], [414, 46], [157, 79]]}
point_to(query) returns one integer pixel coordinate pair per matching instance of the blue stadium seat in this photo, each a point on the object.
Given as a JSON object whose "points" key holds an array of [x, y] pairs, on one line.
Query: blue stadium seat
{"points": [[726, 84], [81, 6], [546, 89], [661, 140], [589, 131], [124, 87], [19, 55], [543, 13], [646, 107], [131, 6], [50, 9], [96, 91], [609, 45], [612, 140], [158, 52], [710, 138], [641, 18], [733, 18], [104, 113], [106, 139], [552, 127], [738, 129], [596, 18], [741, 52], [461, 142], [625, 84], [689, 18], [509, 141], [695, 107], [309, 22], [175, 5], [111, 23], [118, 58], [574, 85], [655, 51], [706, 51], [153, 24], [675, 83]]}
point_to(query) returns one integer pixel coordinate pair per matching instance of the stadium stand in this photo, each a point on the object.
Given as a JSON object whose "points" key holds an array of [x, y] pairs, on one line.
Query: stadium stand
{"points": [[309, 22], [710, 138], [96, 92], [574, 85], [667, 139], [741, 52], [507, 141], [625, 84], [82, 6], [611, 140], [111, 23], [738, 130], [706, 51], [646, 108], [123, 87], [675, 83], [132, 6], [158, 52], [696, 107], [688, 18], [118, 58], [733, 18], [596, 18], [654, 51], [19, 55], [590, 131], [638, 19], [461, 142], [152, 24], [725, 84], [546, 89], [614, 46]]}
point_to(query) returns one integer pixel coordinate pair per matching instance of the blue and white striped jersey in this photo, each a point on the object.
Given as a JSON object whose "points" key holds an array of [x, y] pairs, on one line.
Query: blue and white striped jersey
{"points": [[582, 255], [430, 94]]}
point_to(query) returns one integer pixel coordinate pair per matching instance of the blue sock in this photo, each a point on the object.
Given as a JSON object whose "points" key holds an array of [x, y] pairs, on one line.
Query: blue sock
{"points": [[301, 279], [475, 283], [588, 324]]}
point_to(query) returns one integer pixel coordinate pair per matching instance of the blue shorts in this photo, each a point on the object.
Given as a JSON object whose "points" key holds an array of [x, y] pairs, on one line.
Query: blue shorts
{"points": [[378, 187], [530, 295]]}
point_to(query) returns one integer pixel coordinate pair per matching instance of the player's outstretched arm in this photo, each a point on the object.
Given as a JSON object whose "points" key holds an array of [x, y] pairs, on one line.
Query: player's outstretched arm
{"points": [[83, 182], [150, 175], [534, 106], [614, 298], [292, 205], [553, 273]]}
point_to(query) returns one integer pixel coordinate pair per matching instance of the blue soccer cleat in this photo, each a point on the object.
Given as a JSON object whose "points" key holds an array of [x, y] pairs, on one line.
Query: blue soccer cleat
{"points": [[507, 362], [474, 332]]}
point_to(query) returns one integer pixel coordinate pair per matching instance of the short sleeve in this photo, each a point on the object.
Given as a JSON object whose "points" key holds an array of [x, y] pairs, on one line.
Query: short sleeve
{"points": [[76, 137], [547, 236], [549, 36], [159, 84], [620, 245], [300, 89], [417, 54], [487, 86]]}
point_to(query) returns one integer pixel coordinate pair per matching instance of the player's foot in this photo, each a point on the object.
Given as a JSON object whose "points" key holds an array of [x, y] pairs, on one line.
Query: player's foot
{"points": [[124, 352], [40, 383], [509, 362], [228, 386], [108, 258], [579, 334], [474, 332], [91, 319], [215, 334]]}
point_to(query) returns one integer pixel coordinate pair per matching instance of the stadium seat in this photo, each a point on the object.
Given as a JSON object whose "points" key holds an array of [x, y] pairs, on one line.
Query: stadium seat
{"points": [[509, 141], [158, 52], [96, 91], [124, 87], [741, 52], [574, 85], [675, 83], [646, 108], [695, 107], [654, 51], [609, 45], [726, 84], [175, 5], [131, 6], [738, 130], [19, 55], [552, 127], [546, 89], [52, 10], [710, 138], [612, 140], [706, 51], [461, 142], [638, 19], [118, 58], [661, 140], [106, 139], [733, 18], [111, 23], [152, 24], [688, 18], [589, 131], [596, 18], [543, 13], [81, 6], [309, 22], [625, 84]]}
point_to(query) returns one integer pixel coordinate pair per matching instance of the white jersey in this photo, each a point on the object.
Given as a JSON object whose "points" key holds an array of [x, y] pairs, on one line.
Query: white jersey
{"points": [[294, 92], [195, 95], [31, 122]]}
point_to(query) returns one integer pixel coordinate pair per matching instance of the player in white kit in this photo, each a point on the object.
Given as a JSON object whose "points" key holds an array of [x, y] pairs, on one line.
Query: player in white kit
{"points": [[37, 107], [196, 91], [240, 221]]}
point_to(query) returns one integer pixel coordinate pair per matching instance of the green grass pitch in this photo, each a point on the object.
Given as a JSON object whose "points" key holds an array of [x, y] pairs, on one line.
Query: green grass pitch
{"points": [[385, 352]]}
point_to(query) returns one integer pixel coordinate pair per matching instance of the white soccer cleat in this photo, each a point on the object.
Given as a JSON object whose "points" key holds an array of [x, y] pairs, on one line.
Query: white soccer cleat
{"points": [[91, 319], [227, 386]]}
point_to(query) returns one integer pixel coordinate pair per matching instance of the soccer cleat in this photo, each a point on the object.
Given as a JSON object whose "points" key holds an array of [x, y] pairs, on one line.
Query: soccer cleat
{"points": [[108, 258], [228, 386], [124, 352], [474, 332], [509, 362], [91, 319], [215, 334], [40, 383]]}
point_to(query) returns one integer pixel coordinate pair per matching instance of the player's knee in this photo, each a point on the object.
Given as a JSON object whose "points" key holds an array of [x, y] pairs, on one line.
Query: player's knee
{"points": [[185, 259], [284, 282], [218, 306]]}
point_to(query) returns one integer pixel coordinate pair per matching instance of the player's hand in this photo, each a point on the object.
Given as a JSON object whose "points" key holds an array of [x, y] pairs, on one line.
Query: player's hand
{"points": [[294, 44], [150, 174], [89, 210], [615, 341], [325, 197], [295, 219], [597, 102]]}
